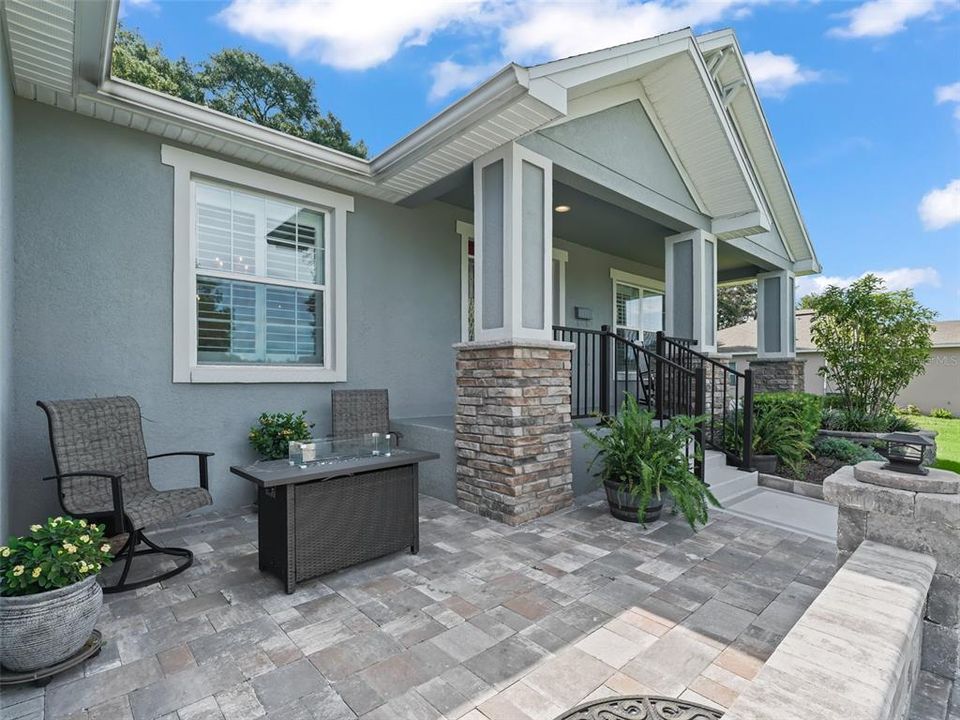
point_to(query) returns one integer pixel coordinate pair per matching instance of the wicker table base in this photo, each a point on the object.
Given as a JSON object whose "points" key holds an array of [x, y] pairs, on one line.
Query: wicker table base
{"points": [[91, 648], [641, 707]]}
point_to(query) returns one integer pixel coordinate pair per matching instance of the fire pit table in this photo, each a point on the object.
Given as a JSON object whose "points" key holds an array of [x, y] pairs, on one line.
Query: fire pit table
{"points": [[335, 504]]}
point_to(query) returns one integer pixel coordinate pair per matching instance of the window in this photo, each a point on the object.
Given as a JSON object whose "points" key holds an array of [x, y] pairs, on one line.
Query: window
{"points": [[262, 257], [637, 306]]}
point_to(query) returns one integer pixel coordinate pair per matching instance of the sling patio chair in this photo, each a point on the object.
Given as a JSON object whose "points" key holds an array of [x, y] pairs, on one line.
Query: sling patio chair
{"points": [[358, 412], [102, 476]]}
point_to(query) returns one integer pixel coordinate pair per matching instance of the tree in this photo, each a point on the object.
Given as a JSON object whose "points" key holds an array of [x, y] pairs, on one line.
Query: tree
{"points": [[736, 304], [874, 342], [808, 302], [236, 82]]}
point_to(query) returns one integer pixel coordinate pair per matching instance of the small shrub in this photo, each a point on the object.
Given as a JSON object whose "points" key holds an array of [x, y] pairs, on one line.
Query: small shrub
{"points": [[911, 409], [62, 552], [802, 409], [849, 453], [941, 413], [774, 433], [274, 431], [856, 421]]}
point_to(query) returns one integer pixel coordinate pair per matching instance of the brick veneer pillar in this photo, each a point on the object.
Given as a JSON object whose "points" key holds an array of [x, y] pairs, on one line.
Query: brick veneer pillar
{"points": [[513, 429], [777, 375]]}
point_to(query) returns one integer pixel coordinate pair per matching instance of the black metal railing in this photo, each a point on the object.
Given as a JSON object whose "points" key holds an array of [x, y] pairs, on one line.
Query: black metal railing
{"points": [[606, 367], [727, 399]]}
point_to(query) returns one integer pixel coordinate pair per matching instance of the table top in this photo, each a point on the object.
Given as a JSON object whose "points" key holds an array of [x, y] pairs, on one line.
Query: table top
{"points": [[272, 473]]}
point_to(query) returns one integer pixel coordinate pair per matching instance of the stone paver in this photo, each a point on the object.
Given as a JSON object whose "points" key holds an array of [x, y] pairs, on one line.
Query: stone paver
{"points": [[487, 622]]}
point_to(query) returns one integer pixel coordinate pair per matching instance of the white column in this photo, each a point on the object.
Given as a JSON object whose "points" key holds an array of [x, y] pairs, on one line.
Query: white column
{"points": [[776, 324], [513, 242], [690, 306]]}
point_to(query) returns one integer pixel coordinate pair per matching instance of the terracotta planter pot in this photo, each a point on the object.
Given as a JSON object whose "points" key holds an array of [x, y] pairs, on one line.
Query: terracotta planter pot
{"points": [[40, 630], [625, 506]]}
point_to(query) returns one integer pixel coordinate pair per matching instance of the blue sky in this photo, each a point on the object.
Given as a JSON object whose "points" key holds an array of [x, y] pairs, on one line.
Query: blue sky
{"points": [[863, 97]]}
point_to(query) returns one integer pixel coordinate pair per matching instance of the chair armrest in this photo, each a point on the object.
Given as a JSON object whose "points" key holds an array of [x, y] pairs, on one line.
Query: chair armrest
{"points": [[201, 459], [398, 435], [115, 486]]}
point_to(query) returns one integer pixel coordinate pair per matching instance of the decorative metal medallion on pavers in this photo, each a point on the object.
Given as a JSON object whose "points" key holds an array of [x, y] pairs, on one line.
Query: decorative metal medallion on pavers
{"points": [[642, 707]]}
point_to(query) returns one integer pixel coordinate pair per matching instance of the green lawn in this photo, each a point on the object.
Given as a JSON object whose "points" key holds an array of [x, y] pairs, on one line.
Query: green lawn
{"points": [[948, 440]]}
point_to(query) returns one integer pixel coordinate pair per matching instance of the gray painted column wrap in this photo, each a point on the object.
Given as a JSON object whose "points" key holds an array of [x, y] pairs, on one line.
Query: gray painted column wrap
{"points": [[710, 288], [683, 289], [492, 250], [532, 246], [771, 320]]}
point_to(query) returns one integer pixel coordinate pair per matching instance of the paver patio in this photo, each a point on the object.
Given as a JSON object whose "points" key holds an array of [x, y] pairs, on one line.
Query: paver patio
{"points": [[487, 622]]}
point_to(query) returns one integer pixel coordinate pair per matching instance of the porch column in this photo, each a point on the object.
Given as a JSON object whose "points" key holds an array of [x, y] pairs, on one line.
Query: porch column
{"points": [[691, 288], [776, 367], [513, 382]]}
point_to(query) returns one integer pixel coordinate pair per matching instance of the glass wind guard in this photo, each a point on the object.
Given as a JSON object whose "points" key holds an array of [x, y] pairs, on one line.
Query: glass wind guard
{"points": [[328, 451]]}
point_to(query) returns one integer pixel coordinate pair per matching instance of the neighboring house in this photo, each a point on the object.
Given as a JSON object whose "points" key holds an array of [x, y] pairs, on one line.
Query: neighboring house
{"points": [[939, 386], [215, 269]]}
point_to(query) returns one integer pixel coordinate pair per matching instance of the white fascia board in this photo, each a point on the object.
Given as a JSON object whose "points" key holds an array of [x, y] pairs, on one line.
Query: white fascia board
{"points": [[729, 226], [810, 266]]}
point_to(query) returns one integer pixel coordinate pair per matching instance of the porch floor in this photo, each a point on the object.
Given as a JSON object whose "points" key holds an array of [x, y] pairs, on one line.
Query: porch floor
{"points": [[488, 622]]}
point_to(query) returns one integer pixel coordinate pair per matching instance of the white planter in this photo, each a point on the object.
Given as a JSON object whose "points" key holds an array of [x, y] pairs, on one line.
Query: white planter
{"points": [[40, 630]]}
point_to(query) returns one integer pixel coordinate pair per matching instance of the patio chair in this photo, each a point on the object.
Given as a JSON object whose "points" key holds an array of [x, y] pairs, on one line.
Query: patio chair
{"points": [[358, 412], [102, 475]]}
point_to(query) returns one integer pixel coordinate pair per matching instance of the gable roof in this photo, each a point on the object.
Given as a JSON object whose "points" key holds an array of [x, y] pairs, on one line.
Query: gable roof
{"points": [[60, 54], [742, 339]]}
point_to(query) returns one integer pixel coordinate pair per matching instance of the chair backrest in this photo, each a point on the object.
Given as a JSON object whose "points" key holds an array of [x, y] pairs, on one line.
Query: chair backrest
{"points": [[103, 434], [356, 412]]}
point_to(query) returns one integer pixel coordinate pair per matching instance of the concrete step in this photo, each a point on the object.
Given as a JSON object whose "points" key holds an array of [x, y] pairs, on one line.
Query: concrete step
{"points": [[786, 511], [713, 459], [728, 483]]}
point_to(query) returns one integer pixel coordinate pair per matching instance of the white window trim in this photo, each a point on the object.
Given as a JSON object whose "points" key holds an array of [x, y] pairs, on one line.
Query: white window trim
{"points": [[638, 281], [187, 166], [465, 231]]}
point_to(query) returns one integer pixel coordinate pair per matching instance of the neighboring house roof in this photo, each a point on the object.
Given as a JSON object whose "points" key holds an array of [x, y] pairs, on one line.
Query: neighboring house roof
{"points": [[742, 339], [60, 54]]}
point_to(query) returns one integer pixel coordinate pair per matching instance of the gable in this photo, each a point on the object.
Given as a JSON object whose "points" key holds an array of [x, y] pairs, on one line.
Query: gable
{"points": [[623, 139]]}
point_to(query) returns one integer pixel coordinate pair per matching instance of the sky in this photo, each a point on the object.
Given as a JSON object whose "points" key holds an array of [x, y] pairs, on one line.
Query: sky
{"points": [[862, 96]]}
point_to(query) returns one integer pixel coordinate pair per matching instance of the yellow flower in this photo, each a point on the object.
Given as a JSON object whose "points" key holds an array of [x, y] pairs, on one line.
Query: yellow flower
{"points": [[36, 572], [70, 548], [18, 571], [96, 566], [57, 520], [83, 523], [84, 538], [4, 551], [36, 528], [83, 567], [105, 548]]}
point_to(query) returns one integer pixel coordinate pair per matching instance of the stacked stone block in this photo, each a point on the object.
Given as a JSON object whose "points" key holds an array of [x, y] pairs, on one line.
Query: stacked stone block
{"points": [[914, 512], [777, 375], [513, 429]]}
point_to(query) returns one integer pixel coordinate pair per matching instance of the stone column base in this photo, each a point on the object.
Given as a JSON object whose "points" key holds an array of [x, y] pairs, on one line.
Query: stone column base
{"points": [[513, 429], [778, 375]]}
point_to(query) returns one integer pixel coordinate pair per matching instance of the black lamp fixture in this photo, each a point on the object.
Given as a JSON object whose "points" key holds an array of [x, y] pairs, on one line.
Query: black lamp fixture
{"points": [[905, 452]]}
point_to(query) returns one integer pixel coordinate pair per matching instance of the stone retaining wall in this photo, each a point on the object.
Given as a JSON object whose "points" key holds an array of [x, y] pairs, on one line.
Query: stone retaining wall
{"points": [[855, 652], [512, 429], [914, 519]]}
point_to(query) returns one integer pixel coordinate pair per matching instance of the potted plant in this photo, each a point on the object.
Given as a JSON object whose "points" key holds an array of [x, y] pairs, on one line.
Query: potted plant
{"points": [[776, 438], [640, 462], [49, 596], [273, 433]]}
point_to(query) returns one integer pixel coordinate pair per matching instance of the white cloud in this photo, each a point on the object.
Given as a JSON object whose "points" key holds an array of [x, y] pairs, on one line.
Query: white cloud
{"points": [[150, 5], [941, 207], [897, 279], [948, 93], [775, 74], [450, 76], [346, 34], [879, 18]]}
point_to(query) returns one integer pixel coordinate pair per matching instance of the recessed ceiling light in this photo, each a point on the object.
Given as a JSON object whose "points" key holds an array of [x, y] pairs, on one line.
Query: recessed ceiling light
{"points": [[562, 208]]}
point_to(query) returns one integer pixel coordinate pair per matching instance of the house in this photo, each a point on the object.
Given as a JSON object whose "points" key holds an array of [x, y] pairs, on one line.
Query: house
{"points": [[215, 269], [937, 387]]}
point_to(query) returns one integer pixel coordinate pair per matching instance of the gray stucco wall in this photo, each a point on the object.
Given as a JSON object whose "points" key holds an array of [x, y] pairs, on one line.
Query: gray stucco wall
{"points": [[6, 285], [93, 237]]}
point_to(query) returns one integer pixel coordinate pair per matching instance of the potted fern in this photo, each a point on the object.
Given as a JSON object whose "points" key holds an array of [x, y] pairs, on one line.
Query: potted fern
{"points": [[640, 462]]}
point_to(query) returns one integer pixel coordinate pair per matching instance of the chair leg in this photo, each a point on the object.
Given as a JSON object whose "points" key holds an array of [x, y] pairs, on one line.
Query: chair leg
{"points": [[129, 551]]}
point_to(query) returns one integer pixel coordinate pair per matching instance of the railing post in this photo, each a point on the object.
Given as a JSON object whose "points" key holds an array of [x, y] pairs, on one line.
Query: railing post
{"points": [[605, 369], [658, 390], [699, 405], [747, 440]]}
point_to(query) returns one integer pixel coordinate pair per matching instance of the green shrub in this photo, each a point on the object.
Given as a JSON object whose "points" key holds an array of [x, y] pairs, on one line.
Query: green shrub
{"points": [[857, 421], [941, 413], [774, 433], [911, 409], [803, 410], [645, 459], [62, 552], [273, 433], [847, 452]]}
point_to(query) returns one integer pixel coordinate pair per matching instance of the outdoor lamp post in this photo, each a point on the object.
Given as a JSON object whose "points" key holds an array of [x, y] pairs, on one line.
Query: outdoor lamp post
{"points": [[905, 452]]}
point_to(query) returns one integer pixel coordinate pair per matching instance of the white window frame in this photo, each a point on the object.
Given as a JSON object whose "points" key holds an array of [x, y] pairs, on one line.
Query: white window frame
{"points": [[465, 231], [188, 166], [621, 277]]}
